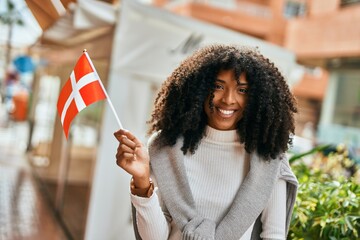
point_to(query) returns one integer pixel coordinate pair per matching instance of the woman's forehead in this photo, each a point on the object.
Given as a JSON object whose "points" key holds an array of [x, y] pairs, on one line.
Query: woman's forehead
{"points": [[238, 76]]}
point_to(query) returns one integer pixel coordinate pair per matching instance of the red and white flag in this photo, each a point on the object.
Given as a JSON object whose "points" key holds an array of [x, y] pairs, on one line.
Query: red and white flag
{"points": [[83, 88]]}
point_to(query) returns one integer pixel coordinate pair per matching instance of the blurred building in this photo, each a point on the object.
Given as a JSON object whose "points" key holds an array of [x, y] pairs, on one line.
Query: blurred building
{"points": [[325, 39], [316, 43]]}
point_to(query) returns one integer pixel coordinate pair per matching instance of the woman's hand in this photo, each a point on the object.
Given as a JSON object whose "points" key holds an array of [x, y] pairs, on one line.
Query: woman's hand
{"points": [[132, 156]]}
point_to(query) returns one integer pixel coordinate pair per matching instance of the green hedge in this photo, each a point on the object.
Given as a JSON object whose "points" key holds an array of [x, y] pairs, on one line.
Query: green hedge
{"points": [[327, 205]]}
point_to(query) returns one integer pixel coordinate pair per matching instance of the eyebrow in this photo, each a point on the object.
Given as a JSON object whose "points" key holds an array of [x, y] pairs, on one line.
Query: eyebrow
{"points": [[240, 84]]}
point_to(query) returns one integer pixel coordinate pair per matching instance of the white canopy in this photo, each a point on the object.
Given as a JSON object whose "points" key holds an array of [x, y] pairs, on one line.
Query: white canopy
{"points": [[147, 33]]}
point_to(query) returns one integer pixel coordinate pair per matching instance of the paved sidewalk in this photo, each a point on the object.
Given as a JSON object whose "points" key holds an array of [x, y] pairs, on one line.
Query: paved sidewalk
{"points": [[24, 211]]}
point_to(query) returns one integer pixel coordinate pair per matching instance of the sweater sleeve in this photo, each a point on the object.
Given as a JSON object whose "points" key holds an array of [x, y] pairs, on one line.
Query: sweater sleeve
{"points": [[273, 217], [150, 218]]}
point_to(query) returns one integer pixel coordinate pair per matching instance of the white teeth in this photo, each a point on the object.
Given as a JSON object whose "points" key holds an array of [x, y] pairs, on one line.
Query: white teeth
{"points": [[227, 112]]}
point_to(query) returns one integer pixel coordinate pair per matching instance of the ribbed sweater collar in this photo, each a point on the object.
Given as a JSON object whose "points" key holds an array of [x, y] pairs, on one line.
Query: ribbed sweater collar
{"points": [[220, 136]]}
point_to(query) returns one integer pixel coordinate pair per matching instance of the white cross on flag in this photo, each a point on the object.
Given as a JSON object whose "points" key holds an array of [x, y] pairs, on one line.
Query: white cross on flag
{"points": [[83, 88]]}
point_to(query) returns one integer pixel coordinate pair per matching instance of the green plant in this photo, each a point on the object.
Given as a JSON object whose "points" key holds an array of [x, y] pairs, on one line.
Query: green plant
{"points": [[316, 149], [328, 201]]}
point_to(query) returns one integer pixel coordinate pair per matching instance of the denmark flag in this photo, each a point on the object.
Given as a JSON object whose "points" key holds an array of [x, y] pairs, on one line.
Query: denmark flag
{"points": [[83, 88]]}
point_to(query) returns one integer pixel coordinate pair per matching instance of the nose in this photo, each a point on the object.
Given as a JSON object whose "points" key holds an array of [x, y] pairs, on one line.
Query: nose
{"points": [[228, 97]]}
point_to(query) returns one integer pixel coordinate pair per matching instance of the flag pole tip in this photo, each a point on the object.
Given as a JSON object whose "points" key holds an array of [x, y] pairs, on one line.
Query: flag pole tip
{"points": [[84, 50]]}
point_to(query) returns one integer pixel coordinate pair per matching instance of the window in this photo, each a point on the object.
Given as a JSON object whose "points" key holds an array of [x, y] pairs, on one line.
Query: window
{"points": [[294, 8]]}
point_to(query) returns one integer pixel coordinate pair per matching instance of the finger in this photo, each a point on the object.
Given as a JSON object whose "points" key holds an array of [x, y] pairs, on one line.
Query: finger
{"points": [[131, 136], [124, 140], [122, 135], [118, 134], [128, 134], [123, 149], [128, 156], [126, 149], [123, 158]]}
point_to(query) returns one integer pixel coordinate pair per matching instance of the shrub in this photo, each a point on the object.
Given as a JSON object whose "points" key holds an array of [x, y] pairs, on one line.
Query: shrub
{"points": [[327, 205]]}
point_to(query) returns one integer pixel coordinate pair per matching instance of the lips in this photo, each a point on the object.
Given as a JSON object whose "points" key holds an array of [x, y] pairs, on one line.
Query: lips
{"points": [[225, 113]]}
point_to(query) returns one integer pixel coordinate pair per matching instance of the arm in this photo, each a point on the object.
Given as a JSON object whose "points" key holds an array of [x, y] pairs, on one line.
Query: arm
{"points": [[274, 215], [150, 218], [132, 156]]}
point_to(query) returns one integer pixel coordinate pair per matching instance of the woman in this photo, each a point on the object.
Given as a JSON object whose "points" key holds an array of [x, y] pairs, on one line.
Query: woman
{"points": [[222, 124]]}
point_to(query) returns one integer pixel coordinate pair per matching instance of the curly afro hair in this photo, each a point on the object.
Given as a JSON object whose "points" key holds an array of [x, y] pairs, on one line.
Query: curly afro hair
{"points": [[268, 118]]}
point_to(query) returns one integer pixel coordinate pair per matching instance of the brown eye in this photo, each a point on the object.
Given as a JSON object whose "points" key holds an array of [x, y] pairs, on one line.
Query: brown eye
{"points": [[243, 90], [218, 87]]}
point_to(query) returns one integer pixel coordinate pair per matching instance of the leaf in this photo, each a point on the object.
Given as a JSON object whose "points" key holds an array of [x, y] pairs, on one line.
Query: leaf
{"points": [[326, 207], [312, 151], [348, 223]]}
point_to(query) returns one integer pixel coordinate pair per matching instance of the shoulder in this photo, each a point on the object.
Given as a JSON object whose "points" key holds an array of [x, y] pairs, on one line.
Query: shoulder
{"points": [[157, 149], [155, 142], [285, 172], [152, 139]]}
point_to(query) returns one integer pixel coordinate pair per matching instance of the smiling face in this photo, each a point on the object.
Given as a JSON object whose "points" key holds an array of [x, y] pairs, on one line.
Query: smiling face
{"points": [[230, 98]]}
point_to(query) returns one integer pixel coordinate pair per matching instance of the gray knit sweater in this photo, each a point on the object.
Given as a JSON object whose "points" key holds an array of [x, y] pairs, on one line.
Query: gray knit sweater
{"points": [[251, 199]]}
